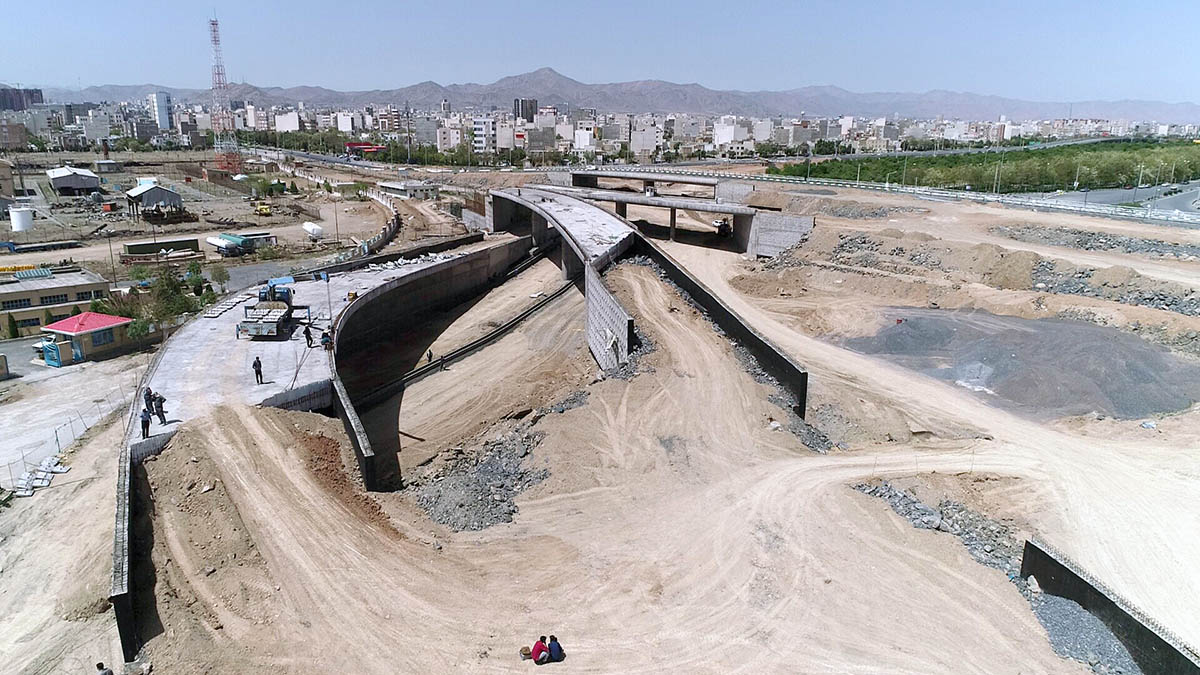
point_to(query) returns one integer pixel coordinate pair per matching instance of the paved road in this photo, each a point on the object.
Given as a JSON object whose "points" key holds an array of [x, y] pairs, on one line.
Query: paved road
{"points": [[1182, 201], [19, 352]]}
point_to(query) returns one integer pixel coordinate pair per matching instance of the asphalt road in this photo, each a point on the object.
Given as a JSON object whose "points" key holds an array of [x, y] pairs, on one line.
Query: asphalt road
{"points": [[19, 352], [1182, 201]]}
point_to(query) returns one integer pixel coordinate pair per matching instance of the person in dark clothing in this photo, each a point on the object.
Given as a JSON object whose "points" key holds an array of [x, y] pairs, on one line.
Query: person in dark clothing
{"points": [[101, 670], [308, 336], [159, 400], [148, 397], [257, 365], [326, 340], [145, 423], [556, 651], [429, 357]]}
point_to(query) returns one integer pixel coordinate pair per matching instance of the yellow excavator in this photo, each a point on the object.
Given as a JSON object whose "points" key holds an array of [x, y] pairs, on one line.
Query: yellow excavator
{"points": [[263, 209]]}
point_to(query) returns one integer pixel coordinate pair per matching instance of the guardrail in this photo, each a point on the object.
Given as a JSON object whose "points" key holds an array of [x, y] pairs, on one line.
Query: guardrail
{"points": [[1102, 210]]}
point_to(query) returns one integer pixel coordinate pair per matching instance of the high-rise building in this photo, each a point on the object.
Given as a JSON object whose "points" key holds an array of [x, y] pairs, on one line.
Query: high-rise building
{"points": [[445, 107], [483, 131], [524, 108], [160, 108], [19, 99]]}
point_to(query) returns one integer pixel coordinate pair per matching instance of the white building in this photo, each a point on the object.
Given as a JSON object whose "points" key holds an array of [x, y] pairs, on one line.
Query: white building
{"points": [[484, 131], [346, 122], [645, 141], [583, 139], [160, 108], [287, 122]]}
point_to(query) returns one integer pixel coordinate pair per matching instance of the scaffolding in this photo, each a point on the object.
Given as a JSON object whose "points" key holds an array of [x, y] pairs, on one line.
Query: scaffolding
{"points": [[224, 137]]}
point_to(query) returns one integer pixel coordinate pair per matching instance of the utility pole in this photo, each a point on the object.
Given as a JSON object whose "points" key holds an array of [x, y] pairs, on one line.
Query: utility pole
{"points": [[904, 173], [111, 264], [337, 235]]}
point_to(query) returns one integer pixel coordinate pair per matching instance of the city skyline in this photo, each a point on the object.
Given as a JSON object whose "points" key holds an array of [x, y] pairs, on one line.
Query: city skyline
{"points": [[1028, 52]]}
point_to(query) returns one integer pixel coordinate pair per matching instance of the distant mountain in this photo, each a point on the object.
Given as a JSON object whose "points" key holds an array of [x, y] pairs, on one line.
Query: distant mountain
{"points": [[552, 88]]}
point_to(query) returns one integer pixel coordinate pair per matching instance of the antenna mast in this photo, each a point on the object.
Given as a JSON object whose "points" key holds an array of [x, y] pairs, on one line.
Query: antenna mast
{"points": [[224, 138]]}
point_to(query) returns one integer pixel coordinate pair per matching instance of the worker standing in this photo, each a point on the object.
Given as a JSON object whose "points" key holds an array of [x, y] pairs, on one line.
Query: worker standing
{"points": [[308, 336], [257, 365], [159, 400], [145, 423], [148, 397]]}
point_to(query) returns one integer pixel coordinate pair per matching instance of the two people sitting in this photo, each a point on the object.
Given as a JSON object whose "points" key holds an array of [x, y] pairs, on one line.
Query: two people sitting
{"points": [[544, 652]]}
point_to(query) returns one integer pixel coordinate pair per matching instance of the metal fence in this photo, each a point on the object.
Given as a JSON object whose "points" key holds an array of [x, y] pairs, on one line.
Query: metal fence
{"points": [[59, 436]]}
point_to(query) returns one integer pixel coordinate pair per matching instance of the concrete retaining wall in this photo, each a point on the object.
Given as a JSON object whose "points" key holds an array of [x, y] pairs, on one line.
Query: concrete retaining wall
{"points": [[773, 360], [1155, 649], [405, 254], [309, 397], [775, 232], [150, 446], [609, 326]]}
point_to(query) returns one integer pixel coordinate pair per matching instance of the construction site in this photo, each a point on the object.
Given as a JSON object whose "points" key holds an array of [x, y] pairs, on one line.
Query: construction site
{"points": [[794, 428]]}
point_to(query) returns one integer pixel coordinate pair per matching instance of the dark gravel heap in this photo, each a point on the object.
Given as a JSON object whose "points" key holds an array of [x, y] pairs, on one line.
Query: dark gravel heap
{"points": [[1074, 632], [812, 438], [1184, 341], [1075, 281], [1097, 241], [628, 370], [576, 399], [477, 492], [858, 246]]}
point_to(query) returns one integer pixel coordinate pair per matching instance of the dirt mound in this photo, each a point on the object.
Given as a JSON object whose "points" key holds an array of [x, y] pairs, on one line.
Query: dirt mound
{"points": [[1000, 268], [842, 208], [208, 574], [1115, 276], [325, 461]]}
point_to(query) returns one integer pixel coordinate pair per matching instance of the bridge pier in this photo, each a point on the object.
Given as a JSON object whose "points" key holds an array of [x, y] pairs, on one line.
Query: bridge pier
{"points": [[672, 223], [622, 209]]}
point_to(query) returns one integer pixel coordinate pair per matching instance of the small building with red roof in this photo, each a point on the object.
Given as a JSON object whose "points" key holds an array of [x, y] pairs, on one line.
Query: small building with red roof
{"points": [[84, 336]]}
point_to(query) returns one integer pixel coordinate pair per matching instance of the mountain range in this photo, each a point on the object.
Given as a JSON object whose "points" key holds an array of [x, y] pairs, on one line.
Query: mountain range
{"points": [[552, 88]]}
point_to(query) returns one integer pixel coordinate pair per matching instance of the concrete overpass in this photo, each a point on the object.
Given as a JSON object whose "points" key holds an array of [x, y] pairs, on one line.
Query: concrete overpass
{"points": [[649, 179]]}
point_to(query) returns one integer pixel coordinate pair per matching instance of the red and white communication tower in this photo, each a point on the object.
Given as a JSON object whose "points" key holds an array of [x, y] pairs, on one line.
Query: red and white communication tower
{"points": [[224, 138]]}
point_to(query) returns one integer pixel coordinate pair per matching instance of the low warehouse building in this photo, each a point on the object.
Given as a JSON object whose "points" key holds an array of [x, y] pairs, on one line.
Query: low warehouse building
{"points": [[71, 181], [85, 336], [152, 196], [29, 297], [410, 189]]}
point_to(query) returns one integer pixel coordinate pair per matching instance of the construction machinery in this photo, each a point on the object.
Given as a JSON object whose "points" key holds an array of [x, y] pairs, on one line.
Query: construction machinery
{"points": [[263, 209], [270, 316], [723, 227]]}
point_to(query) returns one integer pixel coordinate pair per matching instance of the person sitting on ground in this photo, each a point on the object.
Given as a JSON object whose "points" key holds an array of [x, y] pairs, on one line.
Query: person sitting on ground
{"points": [[556, 651], [539, 653], [101, 670], [326, 341]]}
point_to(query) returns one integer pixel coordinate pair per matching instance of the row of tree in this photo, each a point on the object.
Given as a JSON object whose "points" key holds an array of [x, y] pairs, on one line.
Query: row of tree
{"points": [[1093, 166]]}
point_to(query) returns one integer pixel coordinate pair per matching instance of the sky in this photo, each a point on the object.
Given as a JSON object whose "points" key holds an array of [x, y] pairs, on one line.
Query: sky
{"points": [[1043, 50]]}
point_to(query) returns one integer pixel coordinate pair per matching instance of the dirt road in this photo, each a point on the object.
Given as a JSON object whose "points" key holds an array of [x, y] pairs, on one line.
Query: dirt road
{"points": [[676, 532]]}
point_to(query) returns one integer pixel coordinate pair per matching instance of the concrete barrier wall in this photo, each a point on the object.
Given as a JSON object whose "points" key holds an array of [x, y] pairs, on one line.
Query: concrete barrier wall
{"points": [[150, 446], [395, 303], [406, 254], [609, 326], [775, 232], [773, 360], [120, 592], [734, 191], [309, 397], [1155, 649], [363, 453]]}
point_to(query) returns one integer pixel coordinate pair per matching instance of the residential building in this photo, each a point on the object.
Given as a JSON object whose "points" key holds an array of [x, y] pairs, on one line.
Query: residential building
{"points": [[483, 130], [7, 186], [448, 138], [29, 296], [13, 135], [19, 99], [160, 109], [645, 141], [445, 109], [524, 109], [346, 122], [289, 121]]}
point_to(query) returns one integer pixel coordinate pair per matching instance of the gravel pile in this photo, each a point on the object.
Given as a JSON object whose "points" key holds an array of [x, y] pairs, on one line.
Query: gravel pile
{"points": [[1184, 341], [628, 370], [472, 493], [1076, 633], [576, 399], [854, 245], [1098, 241], [1070, 280], [1073, 632], [857, 210]]}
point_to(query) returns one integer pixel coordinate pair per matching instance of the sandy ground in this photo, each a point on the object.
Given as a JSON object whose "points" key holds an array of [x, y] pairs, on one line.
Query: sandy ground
{"points": [[755, 569], [56, 557]]}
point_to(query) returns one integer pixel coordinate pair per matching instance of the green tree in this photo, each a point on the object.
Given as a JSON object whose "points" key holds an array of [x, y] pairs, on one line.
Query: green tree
{"points": [[47, 318], [75, 311], [219, 274], [293, 189], [13, 329], [194, 268], [139, 272], [138, 329]]}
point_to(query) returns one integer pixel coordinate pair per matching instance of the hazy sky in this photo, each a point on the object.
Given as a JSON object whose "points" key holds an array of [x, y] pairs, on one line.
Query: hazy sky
{"points": [[1030, 49]]}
